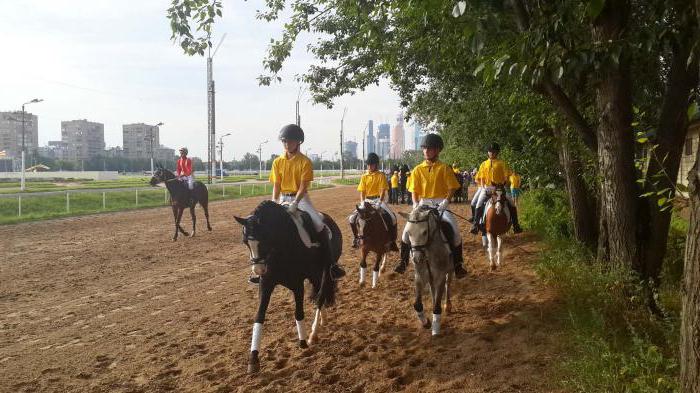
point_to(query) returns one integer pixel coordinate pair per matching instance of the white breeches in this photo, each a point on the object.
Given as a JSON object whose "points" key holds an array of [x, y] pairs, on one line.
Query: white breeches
{"points": [[189, 180], [477, 195], [446, 217], [375, 202], [305, 205]]}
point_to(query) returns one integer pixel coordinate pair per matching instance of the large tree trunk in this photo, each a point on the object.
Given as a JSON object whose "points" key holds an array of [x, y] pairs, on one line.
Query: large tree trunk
{"points": [[673, 128], [582, 202], [618, 190], [690, 324]]}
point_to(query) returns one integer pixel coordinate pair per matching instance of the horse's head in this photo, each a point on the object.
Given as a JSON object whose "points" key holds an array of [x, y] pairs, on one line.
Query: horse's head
{"points": [[256, 239], [366, 212], [498, 196], [161, 175], [421, 225]]}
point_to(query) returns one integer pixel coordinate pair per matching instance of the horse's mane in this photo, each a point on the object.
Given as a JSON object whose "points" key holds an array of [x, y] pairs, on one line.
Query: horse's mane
{"points": [[275, 215]]}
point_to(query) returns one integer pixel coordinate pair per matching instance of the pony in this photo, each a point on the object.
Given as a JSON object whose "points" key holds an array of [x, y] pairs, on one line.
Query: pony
{"points": [[374, 236], [496, 223], [432, 259], [180, 198], [279, 256]]}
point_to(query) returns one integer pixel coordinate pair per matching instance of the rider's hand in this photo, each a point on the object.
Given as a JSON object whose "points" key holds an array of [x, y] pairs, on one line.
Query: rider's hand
{"points": [[292, 208], [443, 205]]}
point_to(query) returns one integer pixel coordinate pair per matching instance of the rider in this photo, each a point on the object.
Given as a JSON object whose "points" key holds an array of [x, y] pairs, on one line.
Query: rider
{"points": [[184, 170], [373, 189], [433, 183], [491, 172], [291, 174]]}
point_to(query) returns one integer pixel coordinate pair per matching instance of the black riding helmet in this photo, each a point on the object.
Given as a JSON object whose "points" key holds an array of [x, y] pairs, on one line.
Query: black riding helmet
{"points": [[292, 132], [432, 140], [494, 148], [372, 158]]}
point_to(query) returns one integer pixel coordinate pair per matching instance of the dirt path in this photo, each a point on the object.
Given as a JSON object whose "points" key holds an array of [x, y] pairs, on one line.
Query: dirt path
{"points": [[106, 303]]}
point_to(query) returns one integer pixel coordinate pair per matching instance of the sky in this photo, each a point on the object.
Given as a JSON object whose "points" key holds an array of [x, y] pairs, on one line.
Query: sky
{"points": [[113, 62]]}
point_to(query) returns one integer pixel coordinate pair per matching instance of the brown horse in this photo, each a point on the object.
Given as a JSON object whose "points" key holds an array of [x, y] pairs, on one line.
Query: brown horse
{"points": [[181, 197], [497, 222], [373, 233]]}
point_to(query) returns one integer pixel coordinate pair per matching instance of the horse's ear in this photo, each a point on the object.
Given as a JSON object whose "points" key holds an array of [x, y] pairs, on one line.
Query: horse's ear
{"points": [[404, 215], [240, 220]]}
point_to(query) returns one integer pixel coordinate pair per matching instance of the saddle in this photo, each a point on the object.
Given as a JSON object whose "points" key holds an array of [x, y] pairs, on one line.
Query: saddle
{"points": [[305, 227]]}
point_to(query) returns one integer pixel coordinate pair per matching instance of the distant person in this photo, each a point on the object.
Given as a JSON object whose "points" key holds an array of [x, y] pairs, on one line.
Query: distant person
{"points": [[394, 196], [514, 187], [184, 169]]}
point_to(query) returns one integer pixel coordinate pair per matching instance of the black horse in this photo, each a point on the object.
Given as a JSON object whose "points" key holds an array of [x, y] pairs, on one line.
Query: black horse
{"points": [[181, 197], [279, 256]]}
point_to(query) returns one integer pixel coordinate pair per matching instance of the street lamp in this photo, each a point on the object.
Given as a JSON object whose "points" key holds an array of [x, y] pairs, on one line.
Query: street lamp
{"points": [[157, 125], [260, 158], [221, 155], [22, 185], [322, 162]]}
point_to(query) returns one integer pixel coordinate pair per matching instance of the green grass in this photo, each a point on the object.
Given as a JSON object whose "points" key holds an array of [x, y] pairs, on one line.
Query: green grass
{"points": [[613, 343], [41, 207]]}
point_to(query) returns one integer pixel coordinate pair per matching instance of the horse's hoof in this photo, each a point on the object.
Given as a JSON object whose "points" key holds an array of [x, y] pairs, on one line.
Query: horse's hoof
{"points": [[448, 308], [253, 363], [362, 284], [427, 325], [192, 235], [186, 234], [493, 268], [312, 338], [303, 344], [174, 239], [209, 229]]}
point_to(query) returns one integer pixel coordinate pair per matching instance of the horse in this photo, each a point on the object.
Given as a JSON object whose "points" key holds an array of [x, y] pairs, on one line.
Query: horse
{"points": [[373, 232], [180, 198], [432, 259], [280, 257], [497, 222]]}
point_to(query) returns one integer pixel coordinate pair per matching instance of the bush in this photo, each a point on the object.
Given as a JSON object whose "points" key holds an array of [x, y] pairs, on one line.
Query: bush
{"points": [[546, 212]]}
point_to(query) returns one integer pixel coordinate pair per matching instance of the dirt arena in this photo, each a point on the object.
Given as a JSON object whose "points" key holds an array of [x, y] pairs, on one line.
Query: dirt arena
{"points": [[107, 303]]}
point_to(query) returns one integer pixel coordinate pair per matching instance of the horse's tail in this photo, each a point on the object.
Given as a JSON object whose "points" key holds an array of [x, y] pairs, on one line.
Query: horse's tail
{"points": [[323, 293]]}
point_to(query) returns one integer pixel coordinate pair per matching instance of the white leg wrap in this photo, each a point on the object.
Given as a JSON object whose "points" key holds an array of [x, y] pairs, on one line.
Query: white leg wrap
{"points": [[362, 274], [257, 336], [301, 330], [316, 318], [375, 276], [484, 241], [436, 324]]}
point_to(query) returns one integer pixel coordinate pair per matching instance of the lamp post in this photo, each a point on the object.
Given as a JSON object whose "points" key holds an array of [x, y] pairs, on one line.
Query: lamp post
{"points": [[35, 100], [157, 125], [221, 155], [322, 162], [260, 158]]}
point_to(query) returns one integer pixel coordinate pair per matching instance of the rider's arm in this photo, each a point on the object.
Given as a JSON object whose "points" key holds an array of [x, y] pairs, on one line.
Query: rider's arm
{"points": [[416, 197], [276, 191], [302, 190], [362, 196]]}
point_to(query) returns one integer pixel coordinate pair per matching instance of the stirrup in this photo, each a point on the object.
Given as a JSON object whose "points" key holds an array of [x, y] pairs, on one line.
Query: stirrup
{"points": [[254, 280]]}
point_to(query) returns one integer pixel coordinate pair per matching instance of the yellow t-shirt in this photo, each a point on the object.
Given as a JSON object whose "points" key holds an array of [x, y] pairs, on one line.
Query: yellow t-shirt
{"points": [[514, 181], [372, 183], [433, 180], [395, 181], [290, 172], [493, 172]]}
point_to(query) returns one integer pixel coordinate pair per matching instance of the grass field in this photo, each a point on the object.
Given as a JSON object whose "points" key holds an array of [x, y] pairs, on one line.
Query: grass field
{"points": [[41, 207]]}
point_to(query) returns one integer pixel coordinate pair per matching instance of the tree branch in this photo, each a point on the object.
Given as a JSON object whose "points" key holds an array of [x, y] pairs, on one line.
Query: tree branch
{"points": [[569, 110]]}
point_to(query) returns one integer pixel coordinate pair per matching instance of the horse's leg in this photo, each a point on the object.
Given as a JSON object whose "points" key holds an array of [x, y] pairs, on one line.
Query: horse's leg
{"points": [[363, 265], [175, 221], [485, 243], [299, 314], [375, 271], [418, 305], [448, 292], [498, 250], [491, 249], [180, 211], [205, 206], [315, 326], [381, 267], [194, 221], [265, 293], [437, 289]]}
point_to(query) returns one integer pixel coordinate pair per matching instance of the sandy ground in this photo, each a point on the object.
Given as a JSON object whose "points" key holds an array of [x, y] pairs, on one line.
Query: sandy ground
{"points": [[107, 303]]}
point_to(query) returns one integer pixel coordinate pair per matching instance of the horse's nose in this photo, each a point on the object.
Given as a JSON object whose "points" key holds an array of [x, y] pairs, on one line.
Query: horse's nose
{"points": [[259, 269]]}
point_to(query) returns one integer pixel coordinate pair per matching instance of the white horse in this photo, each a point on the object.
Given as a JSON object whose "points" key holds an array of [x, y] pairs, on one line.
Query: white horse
{"points": [[432, 259]]}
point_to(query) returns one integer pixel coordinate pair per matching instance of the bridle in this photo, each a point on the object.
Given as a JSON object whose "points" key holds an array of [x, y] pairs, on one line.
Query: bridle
{"points": [[368, 219], [260, 259], [421, 247]]}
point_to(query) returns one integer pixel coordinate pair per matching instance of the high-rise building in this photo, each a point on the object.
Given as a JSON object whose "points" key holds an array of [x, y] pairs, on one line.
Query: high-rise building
{"points": [[397, 138], [383, 140], [11, 133], [139, 139], [350, 150], [417, 136], [371, 141], [83, 139]]}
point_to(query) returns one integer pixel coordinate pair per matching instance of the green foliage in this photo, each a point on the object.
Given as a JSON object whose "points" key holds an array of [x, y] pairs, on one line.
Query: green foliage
{"points": [[184, 14], [613, 343]]}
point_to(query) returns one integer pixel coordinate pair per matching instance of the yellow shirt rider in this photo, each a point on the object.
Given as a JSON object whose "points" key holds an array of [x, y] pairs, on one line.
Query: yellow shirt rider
{"points": [[492, 172], [291, 174], [433, 183], [373, 188]]}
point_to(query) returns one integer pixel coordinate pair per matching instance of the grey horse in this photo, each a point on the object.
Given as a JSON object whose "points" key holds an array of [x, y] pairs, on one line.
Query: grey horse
{"points": [[431, 257]]}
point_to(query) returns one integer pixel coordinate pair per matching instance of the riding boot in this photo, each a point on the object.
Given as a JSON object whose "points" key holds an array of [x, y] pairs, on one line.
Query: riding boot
{"points": [[405, 253], [477, 217], [458, 260], [254, 279], [392, 237], [355, 239], [471, 219], [325, 246], [514, 218]]}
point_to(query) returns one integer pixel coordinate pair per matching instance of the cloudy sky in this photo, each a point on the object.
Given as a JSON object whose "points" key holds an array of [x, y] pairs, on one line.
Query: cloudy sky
{"points": [[113, 62]]}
